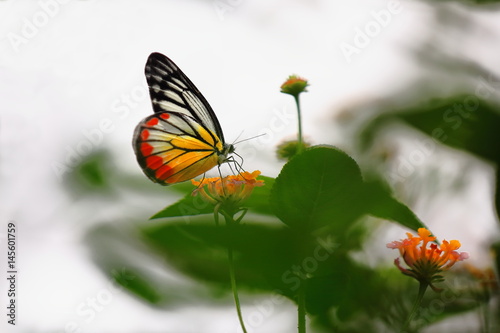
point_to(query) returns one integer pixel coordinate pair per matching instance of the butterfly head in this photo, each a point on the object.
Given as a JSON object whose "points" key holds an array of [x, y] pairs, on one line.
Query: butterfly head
{"points": [[224, 154]]}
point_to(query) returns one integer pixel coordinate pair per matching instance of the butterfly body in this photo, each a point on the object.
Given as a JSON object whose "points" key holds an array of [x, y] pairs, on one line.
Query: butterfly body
{"points": [[183, 138]]}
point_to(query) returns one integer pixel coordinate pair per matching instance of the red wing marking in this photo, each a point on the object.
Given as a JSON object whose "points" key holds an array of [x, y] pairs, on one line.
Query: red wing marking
{"points": [[164, 172], [152, 122], [145, 134], [154, 162], [146, 149]]}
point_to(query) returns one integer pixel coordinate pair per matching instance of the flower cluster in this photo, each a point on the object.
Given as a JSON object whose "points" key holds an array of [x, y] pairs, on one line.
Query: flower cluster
{"points": [[229, 191], [425, 263], [288, 149], [486, 277], [294, 85]]}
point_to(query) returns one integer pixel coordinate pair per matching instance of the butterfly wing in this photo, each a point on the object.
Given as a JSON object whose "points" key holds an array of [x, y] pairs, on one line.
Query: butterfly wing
{"points": [[183, 139], [173, 147], [172, 91]]}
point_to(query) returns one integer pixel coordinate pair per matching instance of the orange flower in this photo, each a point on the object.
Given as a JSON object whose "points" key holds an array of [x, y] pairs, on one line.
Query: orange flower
{"points": [[294, 85], [426, 263], [486, 277], [229, 191]]}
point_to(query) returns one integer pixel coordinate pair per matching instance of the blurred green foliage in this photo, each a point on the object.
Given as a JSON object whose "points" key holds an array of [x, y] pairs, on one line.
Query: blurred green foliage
{"points": [[303, 228], [322, 211], [310, 225], [465, 122]]}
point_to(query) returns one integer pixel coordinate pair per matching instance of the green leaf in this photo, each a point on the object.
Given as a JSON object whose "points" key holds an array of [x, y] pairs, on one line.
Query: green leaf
{"points": [[258, 202], [262, 252], [464, 122], [317, 188], [184, 187], [267, 257], [323, 186], [91, 176], [118, 251], [380, 203], [136, 284], [190, 205]]}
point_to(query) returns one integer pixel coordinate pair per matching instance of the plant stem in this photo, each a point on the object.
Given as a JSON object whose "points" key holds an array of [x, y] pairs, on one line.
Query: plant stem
{"points": [[299, 135], [230, 223], [302, 307], [233, 287], [421, 291], [485, 314]]}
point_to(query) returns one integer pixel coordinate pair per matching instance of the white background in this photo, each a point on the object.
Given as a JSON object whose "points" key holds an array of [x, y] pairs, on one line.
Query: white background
{"points": [[67, 66]]}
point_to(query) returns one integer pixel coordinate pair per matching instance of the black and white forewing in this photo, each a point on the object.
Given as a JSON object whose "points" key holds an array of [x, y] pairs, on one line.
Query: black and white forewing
{"points": [[172, 91]]}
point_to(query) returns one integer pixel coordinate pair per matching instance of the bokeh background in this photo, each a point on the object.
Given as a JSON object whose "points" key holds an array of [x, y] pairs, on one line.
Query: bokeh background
{"points": [[72, 89]]}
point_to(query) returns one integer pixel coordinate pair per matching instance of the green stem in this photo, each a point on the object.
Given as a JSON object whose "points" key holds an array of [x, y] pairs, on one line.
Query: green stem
{"points": [[485, 313], [233, 287], [216, 214], [229, 223], [302, 308], [421, 291], [299, 135]]}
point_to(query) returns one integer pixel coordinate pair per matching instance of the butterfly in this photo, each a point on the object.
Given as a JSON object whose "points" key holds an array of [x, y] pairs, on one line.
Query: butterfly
{"points": [[183, 138]]}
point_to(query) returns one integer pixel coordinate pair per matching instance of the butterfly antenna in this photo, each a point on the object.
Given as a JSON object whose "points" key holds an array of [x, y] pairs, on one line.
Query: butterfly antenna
{"points": [[234, 142], [253, 137]]}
